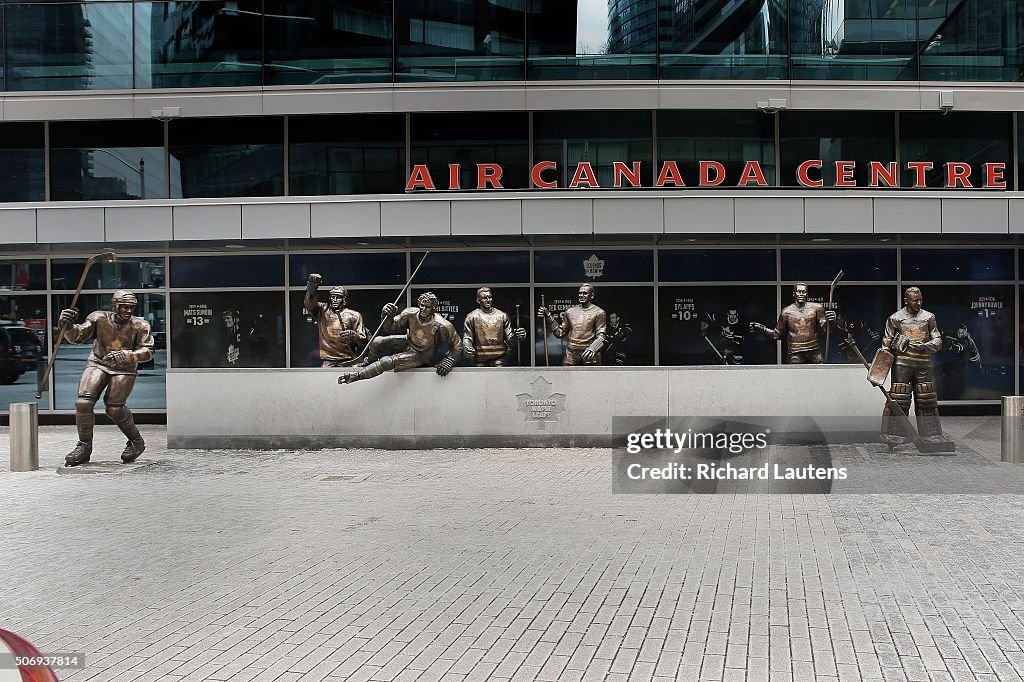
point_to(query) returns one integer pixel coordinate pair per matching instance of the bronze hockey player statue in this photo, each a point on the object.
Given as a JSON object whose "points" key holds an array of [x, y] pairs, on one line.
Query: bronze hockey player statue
{"points": [[425, 332], [488, 333], [341, 328], [912, 336], [586, 326], [798, 324], [120, 342]]}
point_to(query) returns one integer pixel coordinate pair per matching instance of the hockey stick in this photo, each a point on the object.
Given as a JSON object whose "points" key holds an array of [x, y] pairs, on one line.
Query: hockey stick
{"points": [[110, 257], [923, 446], [401, 294], [828, 329]]}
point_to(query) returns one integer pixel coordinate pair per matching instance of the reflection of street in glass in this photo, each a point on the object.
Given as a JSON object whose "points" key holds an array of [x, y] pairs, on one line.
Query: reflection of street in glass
{"points": [[149, 391]]}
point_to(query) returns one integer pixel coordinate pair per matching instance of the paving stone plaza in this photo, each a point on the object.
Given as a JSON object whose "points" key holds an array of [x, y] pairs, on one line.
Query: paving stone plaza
{"points": [[511, 564]]}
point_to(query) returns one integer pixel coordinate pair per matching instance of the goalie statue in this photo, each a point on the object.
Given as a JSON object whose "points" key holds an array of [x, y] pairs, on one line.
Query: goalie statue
{"points": [[911, 338]]}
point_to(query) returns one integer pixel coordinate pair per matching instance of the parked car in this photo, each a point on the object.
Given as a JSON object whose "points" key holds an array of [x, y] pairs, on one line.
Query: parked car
{"points": [[20, 352]]}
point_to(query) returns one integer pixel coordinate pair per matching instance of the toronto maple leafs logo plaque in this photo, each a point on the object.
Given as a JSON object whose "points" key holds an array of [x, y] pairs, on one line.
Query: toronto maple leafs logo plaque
{"points": [[541, 406]]}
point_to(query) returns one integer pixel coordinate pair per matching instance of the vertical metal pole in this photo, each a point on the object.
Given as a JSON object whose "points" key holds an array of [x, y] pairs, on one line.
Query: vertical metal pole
{"points": [[1015, 152], [778, 150], [778, 296], [408, 147], [654, 156], [657, 325], [287, 310], [529, 142], [167, 163], [287, 161], [896, 136], [24, 436], [46, 160]]}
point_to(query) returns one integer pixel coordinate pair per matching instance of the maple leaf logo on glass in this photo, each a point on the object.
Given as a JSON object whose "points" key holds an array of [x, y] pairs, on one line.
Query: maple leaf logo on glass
{"points": [[593, 266], [541, 406]]}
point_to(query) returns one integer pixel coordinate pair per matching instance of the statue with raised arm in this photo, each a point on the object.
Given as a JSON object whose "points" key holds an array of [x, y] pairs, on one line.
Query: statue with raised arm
{"points": [[912, 336], [488, 333], [586, 326], [120, 342], [798, 324], [340, 327], [425, 331]]}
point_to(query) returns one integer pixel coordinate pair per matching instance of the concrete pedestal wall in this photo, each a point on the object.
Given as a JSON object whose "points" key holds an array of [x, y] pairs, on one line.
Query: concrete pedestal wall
{"points": [[507, 407]]}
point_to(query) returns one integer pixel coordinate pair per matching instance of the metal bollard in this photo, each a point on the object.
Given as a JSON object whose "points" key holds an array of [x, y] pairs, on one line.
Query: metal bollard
{"points": [[1012, 432], [24, 436]]}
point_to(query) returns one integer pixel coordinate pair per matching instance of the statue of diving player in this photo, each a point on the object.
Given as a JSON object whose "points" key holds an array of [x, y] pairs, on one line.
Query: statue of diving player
{"points": [[912, 335], [120, 342], [586, 326], [419, 346], [799, 323], [488, 333], [340, 327]]}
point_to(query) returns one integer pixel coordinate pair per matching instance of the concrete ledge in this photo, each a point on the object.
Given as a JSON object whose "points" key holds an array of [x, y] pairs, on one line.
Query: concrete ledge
{"points": [[507, 407]]}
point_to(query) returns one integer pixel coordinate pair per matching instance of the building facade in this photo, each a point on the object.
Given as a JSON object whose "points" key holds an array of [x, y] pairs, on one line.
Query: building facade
{"points": [[691, 162]]}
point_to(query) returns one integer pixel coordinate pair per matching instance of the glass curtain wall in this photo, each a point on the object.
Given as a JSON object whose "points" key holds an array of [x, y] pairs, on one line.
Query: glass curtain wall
{"points": [[352, 154], [215, 43]]}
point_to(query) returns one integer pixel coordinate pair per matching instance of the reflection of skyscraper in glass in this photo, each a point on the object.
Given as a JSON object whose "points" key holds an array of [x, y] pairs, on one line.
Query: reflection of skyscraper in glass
{"points": [[720, 27], [632, 26], [45, 36], [708, 27]]}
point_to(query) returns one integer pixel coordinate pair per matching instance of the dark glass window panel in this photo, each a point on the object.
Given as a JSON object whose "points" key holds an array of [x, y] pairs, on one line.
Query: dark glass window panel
{"points": [[822, 265], [710, 325], [861, 40], [617, 43], [468, 139], [22, 162], [75, 46], [957, 264], [471, 267], [976, 138], [305, 349], [124, 273], [715, 265], [632, 306], [360, 154], [226, 271], [455, 303], [730, 137], [1020, 146], [333, 41], [861, 311], [197, 44], [227, 329], [107, 160], [227, 157], [599, 137], [593, 266], [22, 348], [149, 391], [344, 269], [973, 317], [832, 136], [971, 41], [453, 40], [713, 40], [21, 275]]}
